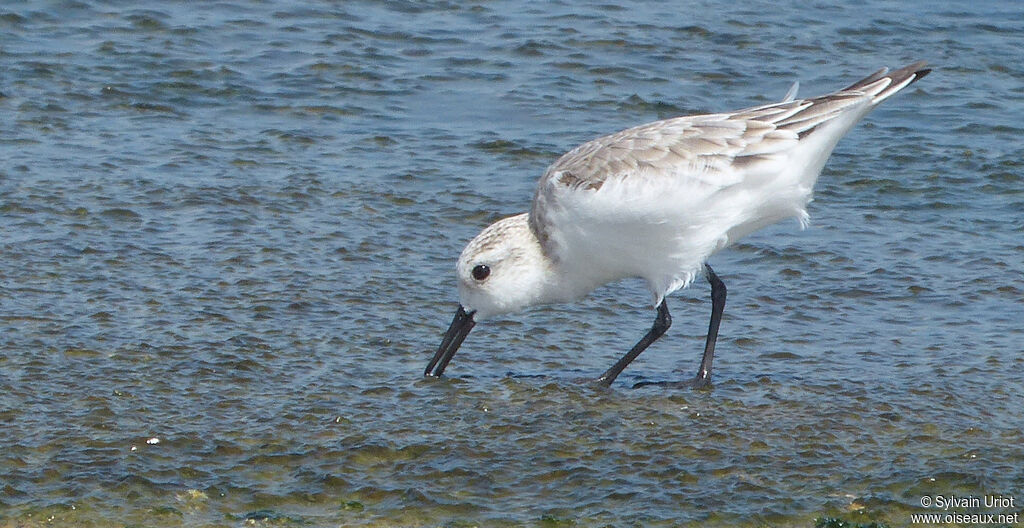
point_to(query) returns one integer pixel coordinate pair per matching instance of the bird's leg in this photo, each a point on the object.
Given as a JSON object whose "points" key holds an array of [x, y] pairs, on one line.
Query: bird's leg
{"points": [[661, 324], [703, 378]]}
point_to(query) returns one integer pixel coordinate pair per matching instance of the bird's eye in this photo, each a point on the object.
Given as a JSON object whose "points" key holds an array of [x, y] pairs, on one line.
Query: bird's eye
{"points": [[481, 272]]}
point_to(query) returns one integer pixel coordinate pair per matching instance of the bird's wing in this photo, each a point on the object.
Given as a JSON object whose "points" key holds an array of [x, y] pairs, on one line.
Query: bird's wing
{"points": [[698, 155]]}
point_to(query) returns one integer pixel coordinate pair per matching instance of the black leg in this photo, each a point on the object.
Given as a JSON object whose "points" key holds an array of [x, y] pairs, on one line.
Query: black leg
{"points": [[661, 324], [703, 378]]}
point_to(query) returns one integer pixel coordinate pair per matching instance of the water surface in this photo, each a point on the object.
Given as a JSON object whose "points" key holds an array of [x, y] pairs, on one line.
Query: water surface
{"points": [[228, 231]]}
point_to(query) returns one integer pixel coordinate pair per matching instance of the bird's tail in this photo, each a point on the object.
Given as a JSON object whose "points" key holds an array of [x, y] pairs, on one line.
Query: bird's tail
{"points": [[883, 83]]}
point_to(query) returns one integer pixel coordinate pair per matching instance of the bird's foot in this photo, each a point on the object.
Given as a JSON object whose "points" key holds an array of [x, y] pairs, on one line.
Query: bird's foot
{"points": [[511, 374], [593, 382], [701, 382], [697, 383]]}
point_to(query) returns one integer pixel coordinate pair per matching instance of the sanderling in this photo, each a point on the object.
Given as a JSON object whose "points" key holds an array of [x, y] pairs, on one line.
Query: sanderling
{"points": [[655, 201]]}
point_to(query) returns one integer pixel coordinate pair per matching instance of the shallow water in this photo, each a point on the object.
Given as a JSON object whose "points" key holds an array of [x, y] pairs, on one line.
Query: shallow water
{"points": [[227, 235]]}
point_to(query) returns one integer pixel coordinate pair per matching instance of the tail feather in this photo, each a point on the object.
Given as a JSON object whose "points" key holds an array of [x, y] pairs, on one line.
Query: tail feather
{"points": [[803, 116], [883, 83]]}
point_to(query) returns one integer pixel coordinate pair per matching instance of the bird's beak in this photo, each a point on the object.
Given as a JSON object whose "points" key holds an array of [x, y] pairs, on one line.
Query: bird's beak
{"points": [[453, 338]]}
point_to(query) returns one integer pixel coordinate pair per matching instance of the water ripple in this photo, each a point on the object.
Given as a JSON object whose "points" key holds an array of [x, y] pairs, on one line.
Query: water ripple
{"points": [[228, 236]]}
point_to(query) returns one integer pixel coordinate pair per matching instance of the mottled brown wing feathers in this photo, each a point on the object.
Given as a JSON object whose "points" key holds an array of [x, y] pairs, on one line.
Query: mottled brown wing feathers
{"points": [[692, 144]]}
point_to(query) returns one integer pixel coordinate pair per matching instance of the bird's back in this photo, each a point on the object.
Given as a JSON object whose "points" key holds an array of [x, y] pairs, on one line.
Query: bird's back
{"points": [[656, 200]]}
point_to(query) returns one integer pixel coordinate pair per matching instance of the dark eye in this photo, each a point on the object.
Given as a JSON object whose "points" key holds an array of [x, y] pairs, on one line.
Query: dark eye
{"points": [[481, 272]]}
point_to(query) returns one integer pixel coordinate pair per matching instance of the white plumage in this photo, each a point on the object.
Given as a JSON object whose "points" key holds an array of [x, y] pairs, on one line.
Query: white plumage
{"points": [[655, 201]]}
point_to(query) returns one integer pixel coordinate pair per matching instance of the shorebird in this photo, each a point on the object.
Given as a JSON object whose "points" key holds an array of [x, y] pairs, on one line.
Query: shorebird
{"points": [[656, 201]]}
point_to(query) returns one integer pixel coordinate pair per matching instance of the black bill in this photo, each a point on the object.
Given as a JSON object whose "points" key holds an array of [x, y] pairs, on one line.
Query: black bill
{"points": [[453, 338]]}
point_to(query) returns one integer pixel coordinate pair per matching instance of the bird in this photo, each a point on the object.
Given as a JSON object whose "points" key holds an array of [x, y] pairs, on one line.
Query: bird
{"points": [[656, 201]]}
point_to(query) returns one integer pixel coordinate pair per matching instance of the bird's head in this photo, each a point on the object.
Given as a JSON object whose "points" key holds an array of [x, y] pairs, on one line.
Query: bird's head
{"points": [[501, 270]]}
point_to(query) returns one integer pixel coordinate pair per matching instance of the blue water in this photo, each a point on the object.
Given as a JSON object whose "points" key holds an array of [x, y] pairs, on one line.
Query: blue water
{"points": [[228, 232]]}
